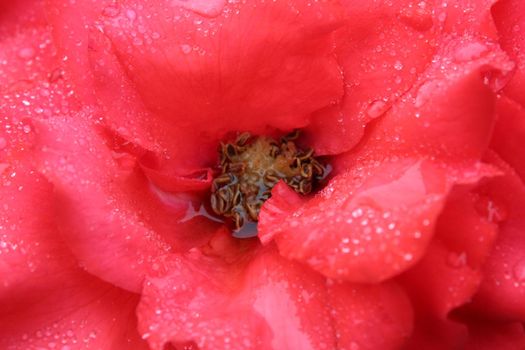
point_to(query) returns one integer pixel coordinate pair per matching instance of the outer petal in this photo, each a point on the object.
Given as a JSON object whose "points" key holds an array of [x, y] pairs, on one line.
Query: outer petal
{"points": [[202, 69], [509, 19], [509, 134], [270, 304], [267, 303], [375, 219], [370, 317], [381, 50], [502, 293], [46, 300], [79, 313], [357, 227], [488, 336], [110, 215], [450, 272]]}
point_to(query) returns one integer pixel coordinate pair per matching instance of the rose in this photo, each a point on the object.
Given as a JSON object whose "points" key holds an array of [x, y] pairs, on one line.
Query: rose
{"points": [[111, 112]]}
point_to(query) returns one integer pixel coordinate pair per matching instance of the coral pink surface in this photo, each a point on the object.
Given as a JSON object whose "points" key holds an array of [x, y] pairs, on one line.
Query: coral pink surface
{"points": [[110, 116]]}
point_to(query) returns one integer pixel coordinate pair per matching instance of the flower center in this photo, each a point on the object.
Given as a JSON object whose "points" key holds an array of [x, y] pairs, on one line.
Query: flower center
{"points": [[252, 166]]}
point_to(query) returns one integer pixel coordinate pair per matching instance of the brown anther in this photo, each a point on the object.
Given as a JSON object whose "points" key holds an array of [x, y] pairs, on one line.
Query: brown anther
{"points": [[242, 139], [252, 166], [291, 136], [274, 151], [252, 211], [305, 187], [238, 220], [306, 155], [318, 169], [237, 196], [236, 167], [306, 170], [230, 151]]}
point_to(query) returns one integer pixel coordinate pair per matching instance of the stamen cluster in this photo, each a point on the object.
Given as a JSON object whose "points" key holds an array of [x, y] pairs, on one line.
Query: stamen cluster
{"points": [[252, 166]]}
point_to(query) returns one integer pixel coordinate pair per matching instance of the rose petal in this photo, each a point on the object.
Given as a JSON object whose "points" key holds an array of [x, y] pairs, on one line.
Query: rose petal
{"points": [[109, 214], [488, 336], [450, 272], [271, 304], [509, 134], [508, 16], [375, 219], [266, 303], [197, 82], [46, 300], [357, 227], [370, 316], [502, 292], [31, 254], [79, 313], [381, 51]]}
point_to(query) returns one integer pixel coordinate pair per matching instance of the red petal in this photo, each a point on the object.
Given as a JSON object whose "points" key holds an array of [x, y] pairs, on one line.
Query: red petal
{"points": [[201, 74], [489, 336], [267, 303], [450, 272], [509, 134], [270, 304], [46, 301], [109, 214], [79, 313], [449, 112], [375, 219], [370, 317], [357, 227], [502, 293], [30, 252], [378, 66], [508, 15]]}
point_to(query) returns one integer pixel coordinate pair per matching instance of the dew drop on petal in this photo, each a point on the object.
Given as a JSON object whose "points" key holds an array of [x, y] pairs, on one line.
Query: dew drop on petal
{"points": [[26, 53], [207, 8], [469, 52], [111, 11], [185, 48], [519, 271], [376, 108], [457, 260]]}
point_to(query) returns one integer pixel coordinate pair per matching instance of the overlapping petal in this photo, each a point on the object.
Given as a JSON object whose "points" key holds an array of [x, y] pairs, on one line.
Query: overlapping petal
{"points": [[190, 72], [113, 219], [501, 295], [46, 299], [434, 137], [266, 302], [509, 20]]}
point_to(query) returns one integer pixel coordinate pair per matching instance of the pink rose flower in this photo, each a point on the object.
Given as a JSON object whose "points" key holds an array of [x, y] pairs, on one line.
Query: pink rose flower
{"points": [[111, 115]]}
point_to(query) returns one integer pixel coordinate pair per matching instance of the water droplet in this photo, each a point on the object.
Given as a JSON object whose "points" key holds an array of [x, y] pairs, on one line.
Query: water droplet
{"points": [[185, 48], [111, 11], [519, 271], [131, 14], [3, 143], [208, 8], [398, 65], [26, 53], [469, 52], [457, 260], [425, 92], [418, 17], [376, 108]]}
